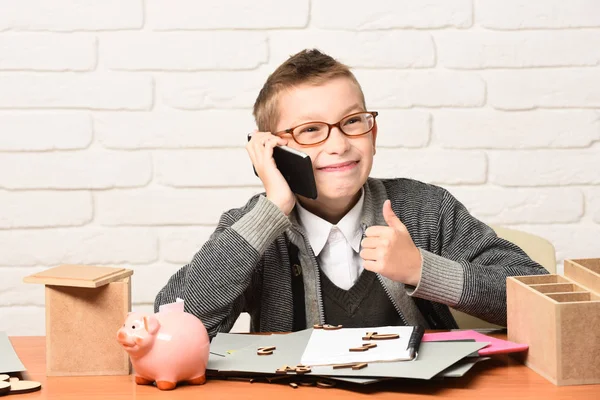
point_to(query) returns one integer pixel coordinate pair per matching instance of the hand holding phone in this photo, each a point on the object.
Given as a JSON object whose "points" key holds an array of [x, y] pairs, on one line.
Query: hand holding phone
{"points": [[296, 168]]}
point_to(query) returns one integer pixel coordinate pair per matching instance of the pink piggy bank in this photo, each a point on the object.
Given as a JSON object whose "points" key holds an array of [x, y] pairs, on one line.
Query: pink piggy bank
{"points": [[166, 348]]}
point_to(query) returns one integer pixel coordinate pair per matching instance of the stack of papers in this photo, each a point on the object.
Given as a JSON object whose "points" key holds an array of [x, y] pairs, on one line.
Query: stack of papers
{"points": [[236, 355]]}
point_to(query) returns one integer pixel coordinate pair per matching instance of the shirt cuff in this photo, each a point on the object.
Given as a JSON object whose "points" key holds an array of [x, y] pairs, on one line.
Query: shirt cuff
{"points": [[441, 280], [261, 225]]}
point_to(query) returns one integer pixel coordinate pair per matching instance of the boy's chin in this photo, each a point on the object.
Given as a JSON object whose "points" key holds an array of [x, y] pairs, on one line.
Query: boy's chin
{"points": [[341, 194]]}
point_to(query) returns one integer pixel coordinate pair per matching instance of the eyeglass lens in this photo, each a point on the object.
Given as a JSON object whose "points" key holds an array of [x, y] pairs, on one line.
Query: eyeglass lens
{"points": [[352, 125]]}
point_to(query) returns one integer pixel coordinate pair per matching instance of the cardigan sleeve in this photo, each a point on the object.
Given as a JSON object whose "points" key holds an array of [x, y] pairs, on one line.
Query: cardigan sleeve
{"points": [[469, 268]]}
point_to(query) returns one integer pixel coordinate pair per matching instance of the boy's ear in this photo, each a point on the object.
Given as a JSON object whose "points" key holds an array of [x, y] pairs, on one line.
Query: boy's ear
{"points": [[374, 138]]}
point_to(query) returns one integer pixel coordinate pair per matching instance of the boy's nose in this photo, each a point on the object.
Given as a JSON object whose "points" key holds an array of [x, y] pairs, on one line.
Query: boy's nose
{"points": [[337, 143]]}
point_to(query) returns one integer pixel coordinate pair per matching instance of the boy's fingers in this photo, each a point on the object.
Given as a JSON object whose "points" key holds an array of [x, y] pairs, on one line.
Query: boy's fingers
{"points": [[370, 265], [374, 231], [368, 254], [369, 243], [269, 142]]}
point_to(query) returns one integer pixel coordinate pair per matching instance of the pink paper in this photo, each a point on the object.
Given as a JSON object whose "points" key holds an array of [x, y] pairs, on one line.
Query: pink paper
{"points": [[496, 346]]}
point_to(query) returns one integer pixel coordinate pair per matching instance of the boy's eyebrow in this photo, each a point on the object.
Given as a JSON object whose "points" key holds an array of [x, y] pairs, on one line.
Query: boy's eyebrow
{"points": [[351, 108], [307, 118]]}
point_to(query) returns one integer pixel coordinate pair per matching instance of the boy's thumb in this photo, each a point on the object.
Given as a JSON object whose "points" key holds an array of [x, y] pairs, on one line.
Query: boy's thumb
{"points": [[390, 218]]}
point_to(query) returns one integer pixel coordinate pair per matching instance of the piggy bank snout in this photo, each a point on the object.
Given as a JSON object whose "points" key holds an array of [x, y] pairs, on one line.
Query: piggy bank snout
{"points": [[122, 335], [125, 339]]}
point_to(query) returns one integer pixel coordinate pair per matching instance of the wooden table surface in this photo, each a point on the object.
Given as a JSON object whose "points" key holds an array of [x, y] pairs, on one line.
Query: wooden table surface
{"points": [[499, 378]]}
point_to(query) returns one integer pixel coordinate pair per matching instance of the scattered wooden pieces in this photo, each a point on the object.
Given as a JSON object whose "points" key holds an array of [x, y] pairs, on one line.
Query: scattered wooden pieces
{"points": [[284, 370], [4, 387], [294, 385], [385, 336], [341, 366], [364, 347], [382, 336], [325, 384], [4, 377], [302, 370], [18, 387], [328, 327], [369, 335], [298, 369], [354, 366], [317, 326], [265, 351]]}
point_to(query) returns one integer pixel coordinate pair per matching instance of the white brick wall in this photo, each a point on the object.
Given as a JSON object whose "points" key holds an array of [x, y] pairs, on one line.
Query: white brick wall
{"points": [[184, 51], [96, 91], [123, 122], [544, 88], [37, 52]]}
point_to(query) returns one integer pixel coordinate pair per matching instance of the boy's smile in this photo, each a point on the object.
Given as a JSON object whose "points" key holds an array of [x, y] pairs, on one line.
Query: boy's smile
{"points": [[341, 164], [339, 167]]}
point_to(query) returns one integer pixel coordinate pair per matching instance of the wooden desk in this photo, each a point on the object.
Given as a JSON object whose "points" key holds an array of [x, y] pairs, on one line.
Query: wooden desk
{"points": [[499, 378]]}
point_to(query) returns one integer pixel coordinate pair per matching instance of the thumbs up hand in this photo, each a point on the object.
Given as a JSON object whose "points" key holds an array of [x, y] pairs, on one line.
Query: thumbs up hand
{"points": [[390, 251]]}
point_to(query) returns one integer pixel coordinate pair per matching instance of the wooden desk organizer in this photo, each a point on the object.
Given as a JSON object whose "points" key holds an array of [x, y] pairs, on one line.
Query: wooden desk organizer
{"points": [[85, 306], [559, 318]]}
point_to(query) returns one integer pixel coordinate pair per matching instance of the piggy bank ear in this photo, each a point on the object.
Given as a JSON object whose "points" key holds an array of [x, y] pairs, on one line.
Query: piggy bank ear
{"points": [[151, 324]]}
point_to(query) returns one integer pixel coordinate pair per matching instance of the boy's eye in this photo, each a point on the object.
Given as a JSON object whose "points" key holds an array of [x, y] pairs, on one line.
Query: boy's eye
{"points": [[352, 121], [310, 129]]}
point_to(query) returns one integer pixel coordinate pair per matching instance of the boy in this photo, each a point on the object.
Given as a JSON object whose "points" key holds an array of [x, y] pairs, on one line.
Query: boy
{"points": [[366, 252]]}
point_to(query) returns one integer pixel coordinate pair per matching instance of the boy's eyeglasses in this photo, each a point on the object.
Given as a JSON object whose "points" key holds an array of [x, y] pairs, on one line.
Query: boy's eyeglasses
{"points": [[312, 133]]}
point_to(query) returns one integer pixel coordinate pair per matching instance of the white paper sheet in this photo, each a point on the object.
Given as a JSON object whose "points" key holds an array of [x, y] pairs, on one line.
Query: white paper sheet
{"points": [[327, 347], [9, 360], [177, 305]]}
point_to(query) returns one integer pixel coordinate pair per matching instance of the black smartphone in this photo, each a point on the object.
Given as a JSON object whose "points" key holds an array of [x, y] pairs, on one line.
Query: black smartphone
{"points": [[296, 168]]}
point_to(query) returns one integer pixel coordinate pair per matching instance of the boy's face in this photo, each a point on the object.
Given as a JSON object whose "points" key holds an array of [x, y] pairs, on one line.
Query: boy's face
{"points": [[341, 164]]}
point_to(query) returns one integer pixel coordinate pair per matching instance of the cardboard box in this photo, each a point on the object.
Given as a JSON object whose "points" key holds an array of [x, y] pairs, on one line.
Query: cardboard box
{"points": [[85, 306], [559, 318]]}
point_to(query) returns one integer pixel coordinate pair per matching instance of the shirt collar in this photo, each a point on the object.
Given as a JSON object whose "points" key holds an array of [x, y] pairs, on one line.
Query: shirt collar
{"points": [[317, 229]]}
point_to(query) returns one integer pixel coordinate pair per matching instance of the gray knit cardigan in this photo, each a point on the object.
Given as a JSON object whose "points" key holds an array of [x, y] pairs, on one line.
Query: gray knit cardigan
{"points": [[244, 266]]}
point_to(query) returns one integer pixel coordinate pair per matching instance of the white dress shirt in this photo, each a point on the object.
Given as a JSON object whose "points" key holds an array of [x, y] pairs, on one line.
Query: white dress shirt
{"points": [[336, 247]]}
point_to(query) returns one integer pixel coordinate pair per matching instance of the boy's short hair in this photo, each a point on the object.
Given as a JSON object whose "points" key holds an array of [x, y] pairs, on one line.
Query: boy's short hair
{"points": [[308, 66]]}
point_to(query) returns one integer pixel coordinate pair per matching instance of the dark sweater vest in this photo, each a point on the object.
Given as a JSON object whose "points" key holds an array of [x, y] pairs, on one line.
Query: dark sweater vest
{"points": [[365, 304]]}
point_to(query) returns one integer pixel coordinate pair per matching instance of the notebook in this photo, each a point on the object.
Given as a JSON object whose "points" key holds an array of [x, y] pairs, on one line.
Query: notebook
{"points": [[330, 347]]}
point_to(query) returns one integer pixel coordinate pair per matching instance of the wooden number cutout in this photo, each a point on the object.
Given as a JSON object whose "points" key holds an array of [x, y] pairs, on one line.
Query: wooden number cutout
{"points": [[4, 387], [265, 351], [364, 347], [369, 335], [383, 336], [17, 386], [298, 369]]}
